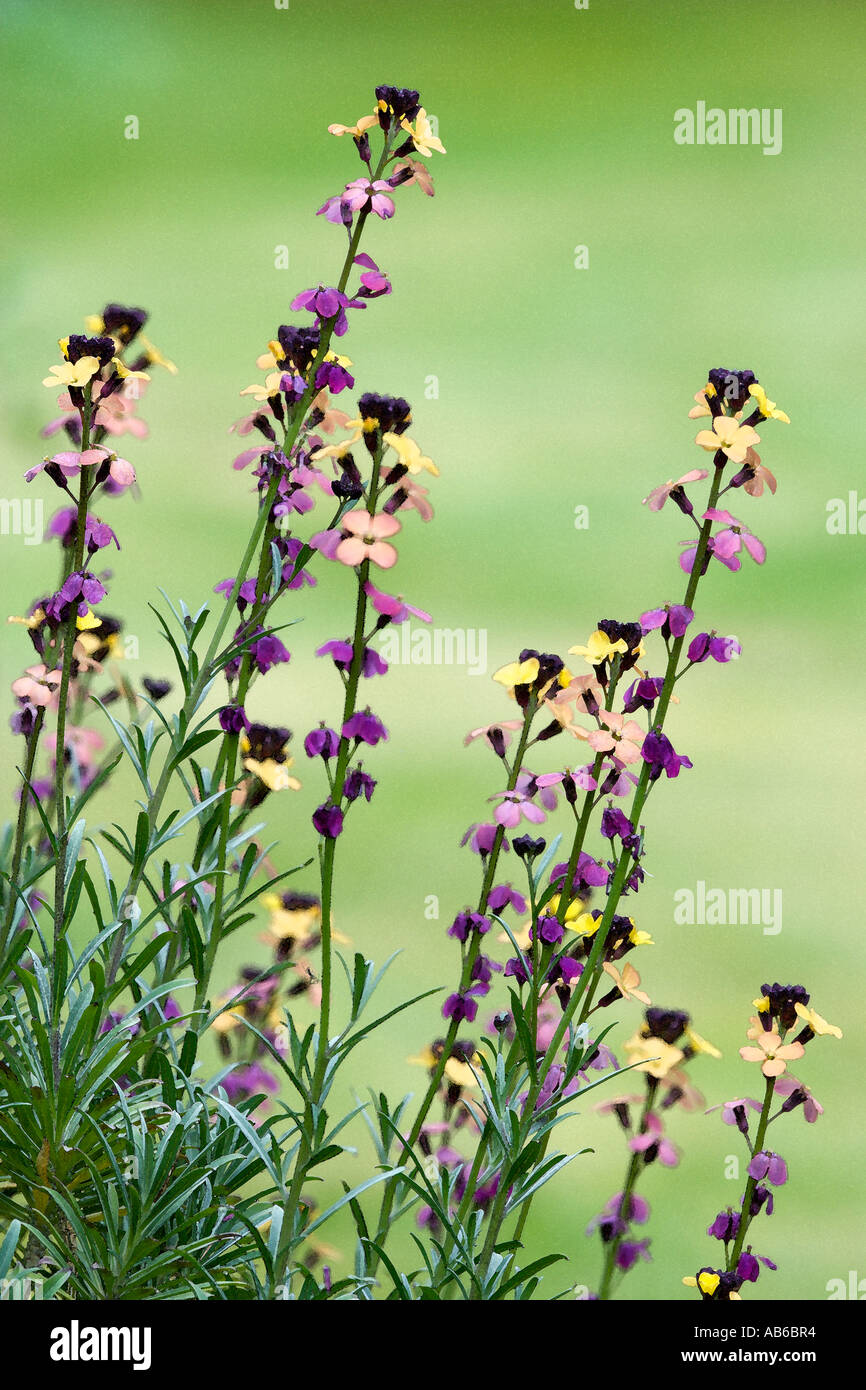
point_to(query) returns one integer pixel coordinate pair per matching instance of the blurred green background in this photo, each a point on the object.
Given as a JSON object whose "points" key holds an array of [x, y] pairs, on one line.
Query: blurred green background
{"points": [[558, 387]]}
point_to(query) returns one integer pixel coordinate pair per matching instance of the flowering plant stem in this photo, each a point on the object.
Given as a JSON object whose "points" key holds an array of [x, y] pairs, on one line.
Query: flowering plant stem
{"points": [[62, 832], [587, 983], [631, 1177], [391, 1187], [260, 540], [745, 1210]]}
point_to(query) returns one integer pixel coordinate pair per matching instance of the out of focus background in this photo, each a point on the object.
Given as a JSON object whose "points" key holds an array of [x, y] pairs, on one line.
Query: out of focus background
{"points": [[544, 378]]}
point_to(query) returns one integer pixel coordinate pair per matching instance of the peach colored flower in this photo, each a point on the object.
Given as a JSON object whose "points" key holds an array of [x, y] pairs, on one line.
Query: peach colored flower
{"points": [[622, 736], [733, 439], [628, 983], [755, 486], [37, 685], [772, 1053], [367, 539]]}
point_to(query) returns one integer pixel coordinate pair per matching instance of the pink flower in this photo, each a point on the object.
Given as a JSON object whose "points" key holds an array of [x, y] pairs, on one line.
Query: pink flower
{"points": [[505, 727], [71, 463], [728, 542], [660, 495], [394, 608], [514, 804], [366, 540], [666, 1153], [37, 685], [357, 195], [624, 736]]}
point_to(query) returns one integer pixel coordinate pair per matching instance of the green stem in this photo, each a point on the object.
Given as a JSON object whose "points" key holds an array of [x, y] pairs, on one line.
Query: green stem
{"points": [[21, 827], [634, 1168], [62, 829], [745, 1216]]}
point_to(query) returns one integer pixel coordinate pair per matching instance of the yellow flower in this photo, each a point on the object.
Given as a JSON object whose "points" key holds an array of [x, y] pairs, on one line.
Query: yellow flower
{"points": [[155, 357], [518, 672], [270, 388], [229, 1018], [295, 924], [126, 373], [767, 408], [599, 648], [819, 1026], [653, 1055], [410, 454], [73, 373], [422, 134], [88, 621], [575, 914], [274, 775], [357, 130], [708, 1282], [640, 938], [734, 440], [336, 451], [698, 1044]]}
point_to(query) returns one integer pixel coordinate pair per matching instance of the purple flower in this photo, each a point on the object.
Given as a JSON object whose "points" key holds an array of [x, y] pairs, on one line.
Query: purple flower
{"points": [[550, 930], [246, 593], [326, 303], [673, 619], [365, 727], [328, 820], [81, 589], [333, 377], [770, 1166], [268, 651], [706, 644], [98, 535], [357, 784], [467, 922], [248, 1080], [481, 838], [462, 1006], [630, 1251], [340, 651], [503, 896], [322, 743], [725, 1226], [615, 822], [658, 751], [515, 969], [233, 719], [588, 874]]}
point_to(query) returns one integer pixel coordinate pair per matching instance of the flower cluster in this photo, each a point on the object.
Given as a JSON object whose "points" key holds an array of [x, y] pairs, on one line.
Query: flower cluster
{"points": [[778, 1033]]}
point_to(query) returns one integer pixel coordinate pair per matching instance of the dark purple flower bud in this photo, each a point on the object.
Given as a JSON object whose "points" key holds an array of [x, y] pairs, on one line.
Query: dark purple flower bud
{"points": [[526, 848], [667, 1024], [328, 820], [233, 719], [156, 689]]}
